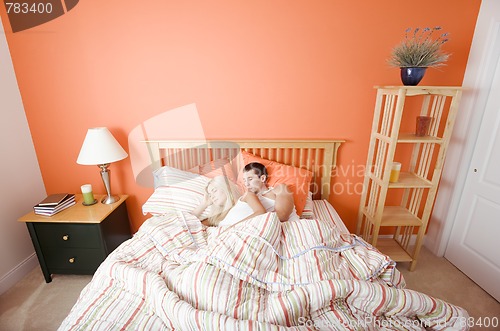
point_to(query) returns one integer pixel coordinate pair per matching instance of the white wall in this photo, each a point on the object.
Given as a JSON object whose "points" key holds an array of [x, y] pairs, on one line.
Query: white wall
{"points": [[465, 132], [20, 177]]}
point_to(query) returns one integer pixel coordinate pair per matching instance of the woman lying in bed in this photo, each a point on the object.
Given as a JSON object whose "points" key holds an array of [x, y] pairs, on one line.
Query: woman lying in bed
{"points": [[220, 197], [228, 208]]}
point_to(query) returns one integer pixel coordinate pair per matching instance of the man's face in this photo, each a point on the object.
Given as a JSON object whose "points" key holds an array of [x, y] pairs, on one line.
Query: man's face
{"points": [[253, 182]]}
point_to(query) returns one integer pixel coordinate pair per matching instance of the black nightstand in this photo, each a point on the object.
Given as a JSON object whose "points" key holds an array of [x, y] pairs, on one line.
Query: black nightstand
{"points": [[76, 240]]}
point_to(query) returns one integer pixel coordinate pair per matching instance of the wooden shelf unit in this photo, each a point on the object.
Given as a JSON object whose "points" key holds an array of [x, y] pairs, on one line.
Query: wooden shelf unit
{"points": [[396, 107]]}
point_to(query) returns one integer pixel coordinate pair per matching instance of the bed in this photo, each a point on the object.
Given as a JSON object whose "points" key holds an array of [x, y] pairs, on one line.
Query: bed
{"points": [[176, 274]]}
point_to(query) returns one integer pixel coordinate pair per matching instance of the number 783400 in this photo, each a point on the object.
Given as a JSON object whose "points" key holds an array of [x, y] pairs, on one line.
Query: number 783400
{"points": [[27, 8]]}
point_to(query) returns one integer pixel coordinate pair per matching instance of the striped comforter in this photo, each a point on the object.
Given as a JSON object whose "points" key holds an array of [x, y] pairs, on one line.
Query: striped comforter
{"points": [[259, 274]]}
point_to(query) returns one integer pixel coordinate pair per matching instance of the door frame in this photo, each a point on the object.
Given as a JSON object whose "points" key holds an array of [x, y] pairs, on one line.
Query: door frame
{"points": [[477, 85]]}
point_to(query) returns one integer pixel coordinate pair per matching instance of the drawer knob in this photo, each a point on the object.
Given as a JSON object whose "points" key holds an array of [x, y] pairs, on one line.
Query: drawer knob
{"points": [[65, 237], [71, 260]]}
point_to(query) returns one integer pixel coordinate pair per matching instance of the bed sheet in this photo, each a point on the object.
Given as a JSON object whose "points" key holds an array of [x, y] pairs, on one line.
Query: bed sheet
{"points": [[323, 210], [259, 274]]}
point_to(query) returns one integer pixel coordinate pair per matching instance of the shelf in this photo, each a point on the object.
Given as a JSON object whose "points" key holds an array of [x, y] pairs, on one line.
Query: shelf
{"points": [[410, 138], [390, 247], [406, 180], [423, 156], [399, 216], [410, 180], [396, 216], [421, 90]]}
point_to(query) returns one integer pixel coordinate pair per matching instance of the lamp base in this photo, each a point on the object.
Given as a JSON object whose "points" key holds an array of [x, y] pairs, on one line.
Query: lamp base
{"points": [[107, 200]]}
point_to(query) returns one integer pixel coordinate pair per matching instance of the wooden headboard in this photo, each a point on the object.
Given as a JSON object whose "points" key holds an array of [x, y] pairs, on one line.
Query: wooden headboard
{"points": [[318, 156]]}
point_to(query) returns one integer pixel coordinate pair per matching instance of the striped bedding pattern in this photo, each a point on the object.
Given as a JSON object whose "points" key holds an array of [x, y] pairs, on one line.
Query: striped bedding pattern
{"points": [[323, 210], [259, 274]]}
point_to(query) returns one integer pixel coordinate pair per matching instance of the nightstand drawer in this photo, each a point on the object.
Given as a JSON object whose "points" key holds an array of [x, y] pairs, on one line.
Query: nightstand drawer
{"points": [[73, 258], [68, 235]]}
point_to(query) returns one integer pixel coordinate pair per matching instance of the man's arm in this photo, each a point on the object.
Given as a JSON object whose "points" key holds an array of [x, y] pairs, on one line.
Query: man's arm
{"points": [[254, 203], [284, 202]]}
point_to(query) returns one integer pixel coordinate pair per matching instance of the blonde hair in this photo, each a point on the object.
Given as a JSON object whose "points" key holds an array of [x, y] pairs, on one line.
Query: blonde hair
{"points": [[217, 213]]}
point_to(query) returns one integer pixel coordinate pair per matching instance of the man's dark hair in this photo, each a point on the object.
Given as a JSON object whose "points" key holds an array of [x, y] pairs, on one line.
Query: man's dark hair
{"points": [[258, 168]]}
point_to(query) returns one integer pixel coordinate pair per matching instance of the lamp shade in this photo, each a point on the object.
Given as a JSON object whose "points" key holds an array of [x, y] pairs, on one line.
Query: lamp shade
{"points": [[100, 147]]}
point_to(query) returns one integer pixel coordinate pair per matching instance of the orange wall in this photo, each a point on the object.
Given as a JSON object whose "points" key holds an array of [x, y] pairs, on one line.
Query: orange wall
{"points": [[255, 69]]}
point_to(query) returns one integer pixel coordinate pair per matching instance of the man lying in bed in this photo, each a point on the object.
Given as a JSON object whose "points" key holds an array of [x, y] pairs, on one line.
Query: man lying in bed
{"points": [[258, 199], [280, 198]]}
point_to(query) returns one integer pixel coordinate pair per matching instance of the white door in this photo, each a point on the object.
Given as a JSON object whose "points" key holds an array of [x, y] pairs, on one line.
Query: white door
{"points": [[474, 245]]}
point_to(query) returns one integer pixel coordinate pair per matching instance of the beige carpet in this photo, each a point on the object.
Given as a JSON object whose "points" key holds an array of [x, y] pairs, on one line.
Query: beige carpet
{"points": [[441, 279], [33, 305]]}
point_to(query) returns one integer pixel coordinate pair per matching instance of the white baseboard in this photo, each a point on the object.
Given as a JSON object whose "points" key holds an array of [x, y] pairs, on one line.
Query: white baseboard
{"points": [[18, 273]]}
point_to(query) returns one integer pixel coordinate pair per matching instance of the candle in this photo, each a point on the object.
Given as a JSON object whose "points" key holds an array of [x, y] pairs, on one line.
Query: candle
{"points": [[88, 196], [422, 127], [395, 170]]}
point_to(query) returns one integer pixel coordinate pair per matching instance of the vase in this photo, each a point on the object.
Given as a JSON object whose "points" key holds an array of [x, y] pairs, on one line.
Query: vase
{"points": [[411, 76]]}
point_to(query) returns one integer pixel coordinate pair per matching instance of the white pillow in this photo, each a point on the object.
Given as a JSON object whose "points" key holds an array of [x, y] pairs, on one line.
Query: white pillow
{"points": [[176, 190]]}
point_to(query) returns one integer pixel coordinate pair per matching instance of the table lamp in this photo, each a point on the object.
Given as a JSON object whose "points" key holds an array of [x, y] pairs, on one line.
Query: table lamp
{"points": [[101, 148]]}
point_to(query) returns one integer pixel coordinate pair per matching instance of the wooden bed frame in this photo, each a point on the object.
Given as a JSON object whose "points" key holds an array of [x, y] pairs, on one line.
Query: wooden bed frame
{"points": [[318, 156]]}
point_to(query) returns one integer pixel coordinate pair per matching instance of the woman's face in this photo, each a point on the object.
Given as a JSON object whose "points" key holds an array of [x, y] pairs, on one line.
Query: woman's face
{"points": [[217, 195]]}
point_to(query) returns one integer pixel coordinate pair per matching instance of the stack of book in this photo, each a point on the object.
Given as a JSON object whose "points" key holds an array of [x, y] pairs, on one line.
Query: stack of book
{"points": [[54, 203]]}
